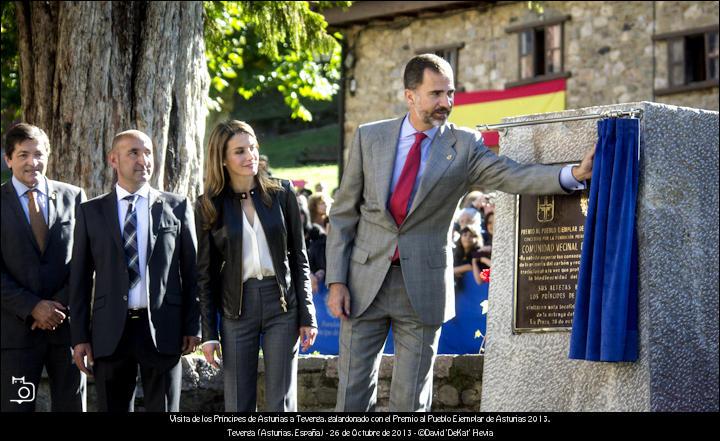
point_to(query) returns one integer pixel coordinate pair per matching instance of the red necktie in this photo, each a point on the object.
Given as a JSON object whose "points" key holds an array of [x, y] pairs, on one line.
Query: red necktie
{"points": [[400, 198]]}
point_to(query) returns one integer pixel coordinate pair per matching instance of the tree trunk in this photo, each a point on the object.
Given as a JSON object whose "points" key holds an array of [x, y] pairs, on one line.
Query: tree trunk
{"points": [[92, 69]]}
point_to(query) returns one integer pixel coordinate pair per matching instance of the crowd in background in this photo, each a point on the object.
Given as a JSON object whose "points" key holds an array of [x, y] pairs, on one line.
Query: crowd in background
{"points": [[473, 230], [314, 211]]}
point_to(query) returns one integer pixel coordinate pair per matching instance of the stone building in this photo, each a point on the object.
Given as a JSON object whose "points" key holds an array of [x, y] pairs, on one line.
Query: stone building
{"points": [[608, 52]]}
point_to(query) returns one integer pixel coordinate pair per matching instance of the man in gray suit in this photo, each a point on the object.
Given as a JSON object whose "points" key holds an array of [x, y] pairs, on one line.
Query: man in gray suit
{"points": [[388, 255], [38, 216], [140, 245]]}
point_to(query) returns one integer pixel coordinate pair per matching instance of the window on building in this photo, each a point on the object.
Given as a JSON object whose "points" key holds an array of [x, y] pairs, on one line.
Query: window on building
{"points": [[711, 49], [451, 56], [540, 50], [692, 59]]}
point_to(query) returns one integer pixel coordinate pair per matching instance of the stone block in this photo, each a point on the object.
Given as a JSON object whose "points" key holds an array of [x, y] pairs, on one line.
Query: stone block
{"points": [[442, 366], [677, 218], [448, 396]]}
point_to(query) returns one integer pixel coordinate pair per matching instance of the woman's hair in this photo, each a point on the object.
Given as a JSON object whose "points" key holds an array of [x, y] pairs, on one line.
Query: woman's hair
{"points": [[459, 251], [314, 202], [216, 176]]}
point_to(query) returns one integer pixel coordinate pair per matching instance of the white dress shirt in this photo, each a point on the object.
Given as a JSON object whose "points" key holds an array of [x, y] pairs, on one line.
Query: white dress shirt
{"points": [[568, 181], [257, 260], [41, 196], [138, 296]]}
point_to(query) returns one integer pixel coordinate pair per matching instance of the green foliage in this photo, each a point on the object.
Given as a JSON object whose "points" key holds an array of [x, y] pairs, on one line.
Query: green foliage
{"points": [[264, 45], [536, 7], [252, 47], [10, 94]]}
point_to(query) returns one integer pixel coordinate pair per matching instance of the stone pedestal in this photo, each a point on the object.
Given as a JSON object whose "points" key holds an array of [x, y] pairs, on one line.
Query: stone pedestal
{"points": [[677, 221]]}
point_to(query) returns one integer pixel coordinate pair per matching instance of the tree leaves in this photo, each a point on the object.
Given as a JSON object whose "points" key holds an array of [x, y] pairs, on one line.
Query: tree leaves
{"points": [[10, 93], [263, 45], [251, 47]]}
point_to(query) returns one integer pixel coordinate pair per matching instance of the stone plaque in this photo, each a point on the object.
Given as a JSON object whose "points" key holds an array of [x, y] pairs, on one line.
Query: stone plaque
{"points": [[548, 243]]}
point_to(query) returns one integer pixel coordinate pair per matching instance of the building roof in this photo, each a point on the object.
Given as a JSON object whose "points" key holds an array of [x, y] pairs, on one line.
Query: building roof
{"points": [[363, 11]]}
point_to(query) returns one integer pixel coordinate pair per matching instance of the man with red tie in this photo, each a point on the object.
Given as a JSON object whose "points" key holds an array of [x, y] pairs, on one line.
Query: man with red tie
{"points": [[388, 255]]}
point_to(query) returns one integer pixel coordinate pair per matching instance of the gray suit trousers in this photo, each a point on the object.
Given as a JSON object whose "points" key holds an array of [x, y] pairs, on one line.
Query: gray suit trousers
{"points": [[263, 316], [361, 343]]}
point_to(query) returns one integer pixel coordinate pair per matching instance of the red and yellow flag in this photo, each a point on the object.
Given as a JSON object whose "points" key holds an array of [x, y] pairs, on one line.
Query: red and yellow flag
{"points": [[490, 106]]}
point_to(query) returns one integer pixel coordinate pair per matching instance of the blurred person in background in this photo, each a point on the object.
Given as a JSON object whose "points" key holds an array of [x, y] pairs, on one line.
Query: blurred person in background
{"points": [[466, 247], [264, 164], [319, 206]]}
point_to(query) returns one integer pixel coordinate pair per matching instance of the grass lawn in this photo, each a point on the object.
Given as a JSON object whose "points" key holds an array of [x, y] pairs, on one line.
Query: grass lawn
{"points": [[283, 151], [311, 174]]}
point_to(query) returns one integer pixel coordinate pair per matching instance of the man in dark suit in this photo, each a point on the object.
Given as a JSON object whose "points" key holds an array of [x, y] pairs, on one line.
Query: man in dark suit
{"points": [[140, 244], [38, 216]]}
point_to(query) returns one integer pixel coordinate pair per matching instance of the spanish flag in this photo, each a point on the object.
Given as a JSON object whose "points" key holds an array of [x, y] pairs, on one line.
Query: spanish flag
{"points": [[490, 106]]}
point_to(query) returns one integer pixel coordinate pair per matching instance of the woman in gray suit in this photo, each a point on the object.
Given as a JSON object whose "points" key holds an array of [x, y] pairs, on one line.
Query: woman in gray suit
{"points": [[252, 270]]}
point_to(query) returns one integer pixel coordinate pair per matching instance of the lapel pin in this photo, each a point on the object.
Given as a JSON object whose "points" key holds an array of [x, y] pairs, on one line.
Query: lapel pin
{"points": [[449, 157], [53, 195]]}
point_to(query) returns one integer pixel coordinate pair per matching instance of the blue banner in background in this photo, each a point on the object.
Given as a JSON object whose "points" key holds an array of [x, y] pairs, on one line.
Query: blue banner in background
{"points": [[464, 334]]}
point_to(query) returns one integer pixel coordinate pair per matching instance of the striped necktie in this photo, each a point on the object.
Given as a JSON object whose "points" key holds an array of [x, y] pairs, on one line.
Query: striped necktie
{"points": [[130, 243]]}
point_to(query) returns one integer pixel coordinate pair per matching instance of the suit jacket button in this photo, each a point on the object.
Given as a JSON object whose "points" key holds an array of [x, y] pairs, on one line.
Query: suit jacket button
{"points": [[124, 297]]}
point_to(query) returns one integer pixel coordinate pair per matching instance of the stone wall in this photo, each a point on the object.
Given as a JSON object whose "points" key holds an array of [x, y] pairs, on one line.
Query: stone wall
{"points": [[608, 50], [457, 385]]}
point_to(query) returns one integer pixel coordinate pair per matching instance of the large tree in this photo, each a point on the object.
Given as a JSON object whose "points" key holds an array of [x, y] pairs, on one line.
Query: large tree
{"points": [[91, 69]]}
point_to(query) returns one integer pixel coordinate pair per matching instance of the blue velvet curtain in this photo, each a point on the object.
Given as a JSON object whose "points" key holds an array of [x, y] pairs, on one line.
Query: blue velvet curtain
{"points": [[605, 323]]}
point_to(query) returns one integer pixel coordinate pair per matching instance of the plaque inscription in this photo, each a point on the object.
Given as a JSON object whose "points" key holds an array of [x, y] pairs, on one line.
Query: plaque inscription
{"points": [[549, 236]]}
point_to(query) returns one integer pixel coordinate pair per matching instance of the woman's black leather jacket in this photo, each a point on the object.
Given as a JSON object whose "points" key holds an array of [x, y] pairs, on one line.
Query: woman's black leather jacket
{"points": [[220, 272]]}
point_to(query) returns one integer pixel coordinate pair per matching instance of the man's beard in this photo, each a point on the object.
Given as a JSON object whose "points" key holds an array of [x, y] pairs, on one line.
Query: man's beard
{"points": [[437, 117]]}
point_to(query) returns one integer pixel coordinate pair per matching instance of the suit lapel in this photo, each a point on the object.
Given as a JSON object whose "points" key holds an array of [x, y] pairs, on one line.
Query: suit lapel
{"points": [[52, 204], [384, 153], [155, 205], [442, 154], [12, 200], [110, 211]]}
